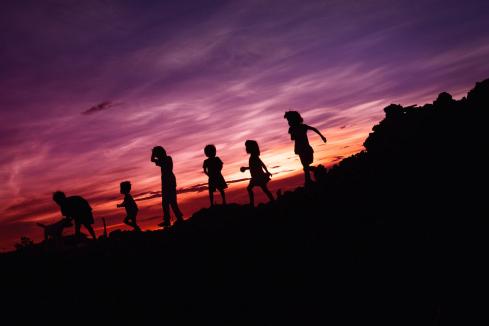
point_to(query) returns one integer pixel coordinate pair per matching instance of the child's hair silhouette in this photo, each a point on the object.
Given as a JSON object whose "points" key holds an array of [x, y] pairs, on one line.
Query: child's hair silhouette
{"points": [[125, 187], [130, 205], [212, 168], [158, 152], [252, 147], [293, 117], [260, 175], [298, 132], [210, 150]]}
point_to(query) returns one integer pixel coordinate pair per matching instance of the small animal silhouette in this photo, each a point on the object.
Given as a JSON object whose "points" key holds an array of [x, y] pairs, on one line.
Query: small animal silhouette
{"points": [[55, 230]]}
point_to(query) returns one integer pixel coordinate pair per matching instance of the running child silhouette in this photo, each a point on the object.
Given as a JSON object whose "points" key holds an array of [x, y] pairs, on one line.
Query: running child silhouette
{"points": [[212, 168], [130, 205], [259, 172], [298, 132], [168, 185]]}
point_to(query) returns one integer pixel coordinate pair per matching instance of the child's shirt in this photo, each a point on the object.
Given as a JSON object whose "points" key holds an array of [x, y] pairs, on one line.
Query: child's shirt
{"points": [[299, 135], [256, 167], [213, 165], [129, 204]]}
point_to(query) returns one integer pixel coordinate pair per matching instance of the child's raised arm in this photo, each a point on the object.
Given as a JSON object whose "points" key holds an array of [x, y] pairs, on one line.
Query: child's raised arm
{"points": [[155, 160], [317, 132]]}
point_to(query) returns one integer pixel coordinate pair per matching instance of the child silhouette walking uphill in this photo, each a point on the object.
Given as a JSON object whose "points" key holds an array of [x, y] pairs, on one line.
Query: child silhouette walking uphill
{"points": [[298, 132], [212, 168], [168, 184], [130, 205], [259, 173], [76, 208]]}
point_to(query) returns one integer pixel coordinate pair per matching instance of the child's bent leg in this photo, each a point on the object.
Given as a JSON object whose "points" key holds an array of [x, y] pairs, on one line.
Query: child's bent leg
{"points": [[134, 223], [166, 212], [223, 196], [91, 231], [252, 197], [176, 209], [267, 192], [211, 196], [306, 160], [126, 221]]}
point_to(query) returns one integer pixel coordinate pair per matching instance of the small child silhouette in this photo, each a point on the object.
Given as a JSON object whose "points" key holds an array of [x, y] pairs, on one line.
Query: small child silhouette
{"points": [[212, 168], [259, 173], [298, 132], [130, 205], [168, 184]]}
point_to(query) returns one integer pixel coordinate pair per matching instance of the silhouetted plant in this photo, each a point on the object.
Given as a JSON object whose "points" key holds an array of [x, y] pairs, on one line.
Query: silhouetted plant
{"points": [[25, 243]]}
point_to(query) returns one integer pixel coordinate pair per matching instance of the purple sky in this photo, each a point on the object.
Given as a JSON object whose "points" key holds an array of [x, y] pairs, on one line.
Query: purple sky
{"points": [[87, 88]]}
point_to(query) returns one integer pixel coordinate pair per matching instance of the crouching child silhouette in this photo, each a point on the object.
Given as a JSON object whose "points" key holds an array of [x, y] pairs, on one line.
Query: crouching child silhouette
{"points": [[168, 185], [298, 132], [259, 172], [76, 208], [212, 168], [130, 205]]}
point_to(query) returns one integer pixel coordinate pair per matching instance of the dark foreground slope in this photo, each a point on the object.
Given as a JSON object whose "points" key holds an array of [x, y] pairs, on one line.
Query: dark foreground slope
{"points": [[393, 235]]}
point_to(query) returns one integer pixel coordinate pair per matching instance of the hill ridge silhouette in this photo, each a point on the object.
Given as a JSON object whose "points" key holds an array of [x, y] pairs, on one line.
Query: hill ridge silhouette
{"points": [[374, 239]]}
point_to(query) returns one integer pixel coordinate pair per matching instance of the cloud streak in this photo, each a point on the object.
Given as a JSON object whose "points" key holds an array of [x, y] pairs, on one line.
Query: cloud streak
{"points": [[99, 108]]}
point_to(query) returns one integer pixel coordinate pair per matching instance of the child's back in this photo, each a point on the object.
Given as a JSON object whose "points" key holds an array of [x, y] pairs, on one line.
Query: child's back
{"points": [[298, 133]]}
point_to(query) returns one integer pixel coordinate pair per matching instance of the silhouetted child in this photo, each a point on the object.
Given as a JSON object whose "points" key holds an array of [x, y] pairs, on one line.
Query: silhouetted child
{"points": [[76, 208], [130, 205], [212, 168], [259, 173], [298, 132], [168, 185]]}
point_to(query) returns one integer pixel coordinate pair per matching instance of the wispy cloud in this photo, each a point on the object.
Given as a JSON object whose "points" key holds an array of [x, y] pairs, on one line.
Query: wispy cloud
{"points": [[100, 107]]}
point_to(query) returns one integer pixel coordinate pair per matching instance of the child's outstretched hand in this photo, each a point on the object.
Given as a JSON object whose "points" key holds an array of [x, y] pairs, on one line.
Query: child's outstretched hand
{"points": [[324, 139], [242, 169]]}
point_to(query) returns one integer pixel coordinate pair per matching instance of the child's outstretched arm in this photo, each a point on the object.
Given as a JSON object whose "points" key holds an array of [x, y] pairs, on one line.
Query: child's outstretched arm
{"points": [[123, 204], [317, 132]]}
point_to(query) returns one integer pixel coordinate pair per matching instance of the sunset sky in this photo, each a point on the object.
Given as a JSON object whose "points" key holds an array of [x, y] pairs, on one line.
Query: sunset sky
{"points": [[87, 88]]}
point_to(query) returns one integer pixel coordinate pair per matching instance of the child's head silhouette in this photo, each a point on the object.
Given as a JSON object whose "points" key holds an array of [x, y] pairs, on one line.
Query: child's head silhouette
{"points": [[159, 152], [252, 147], [210, 151], [125, 187], [59, 197], [293, 117]]}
